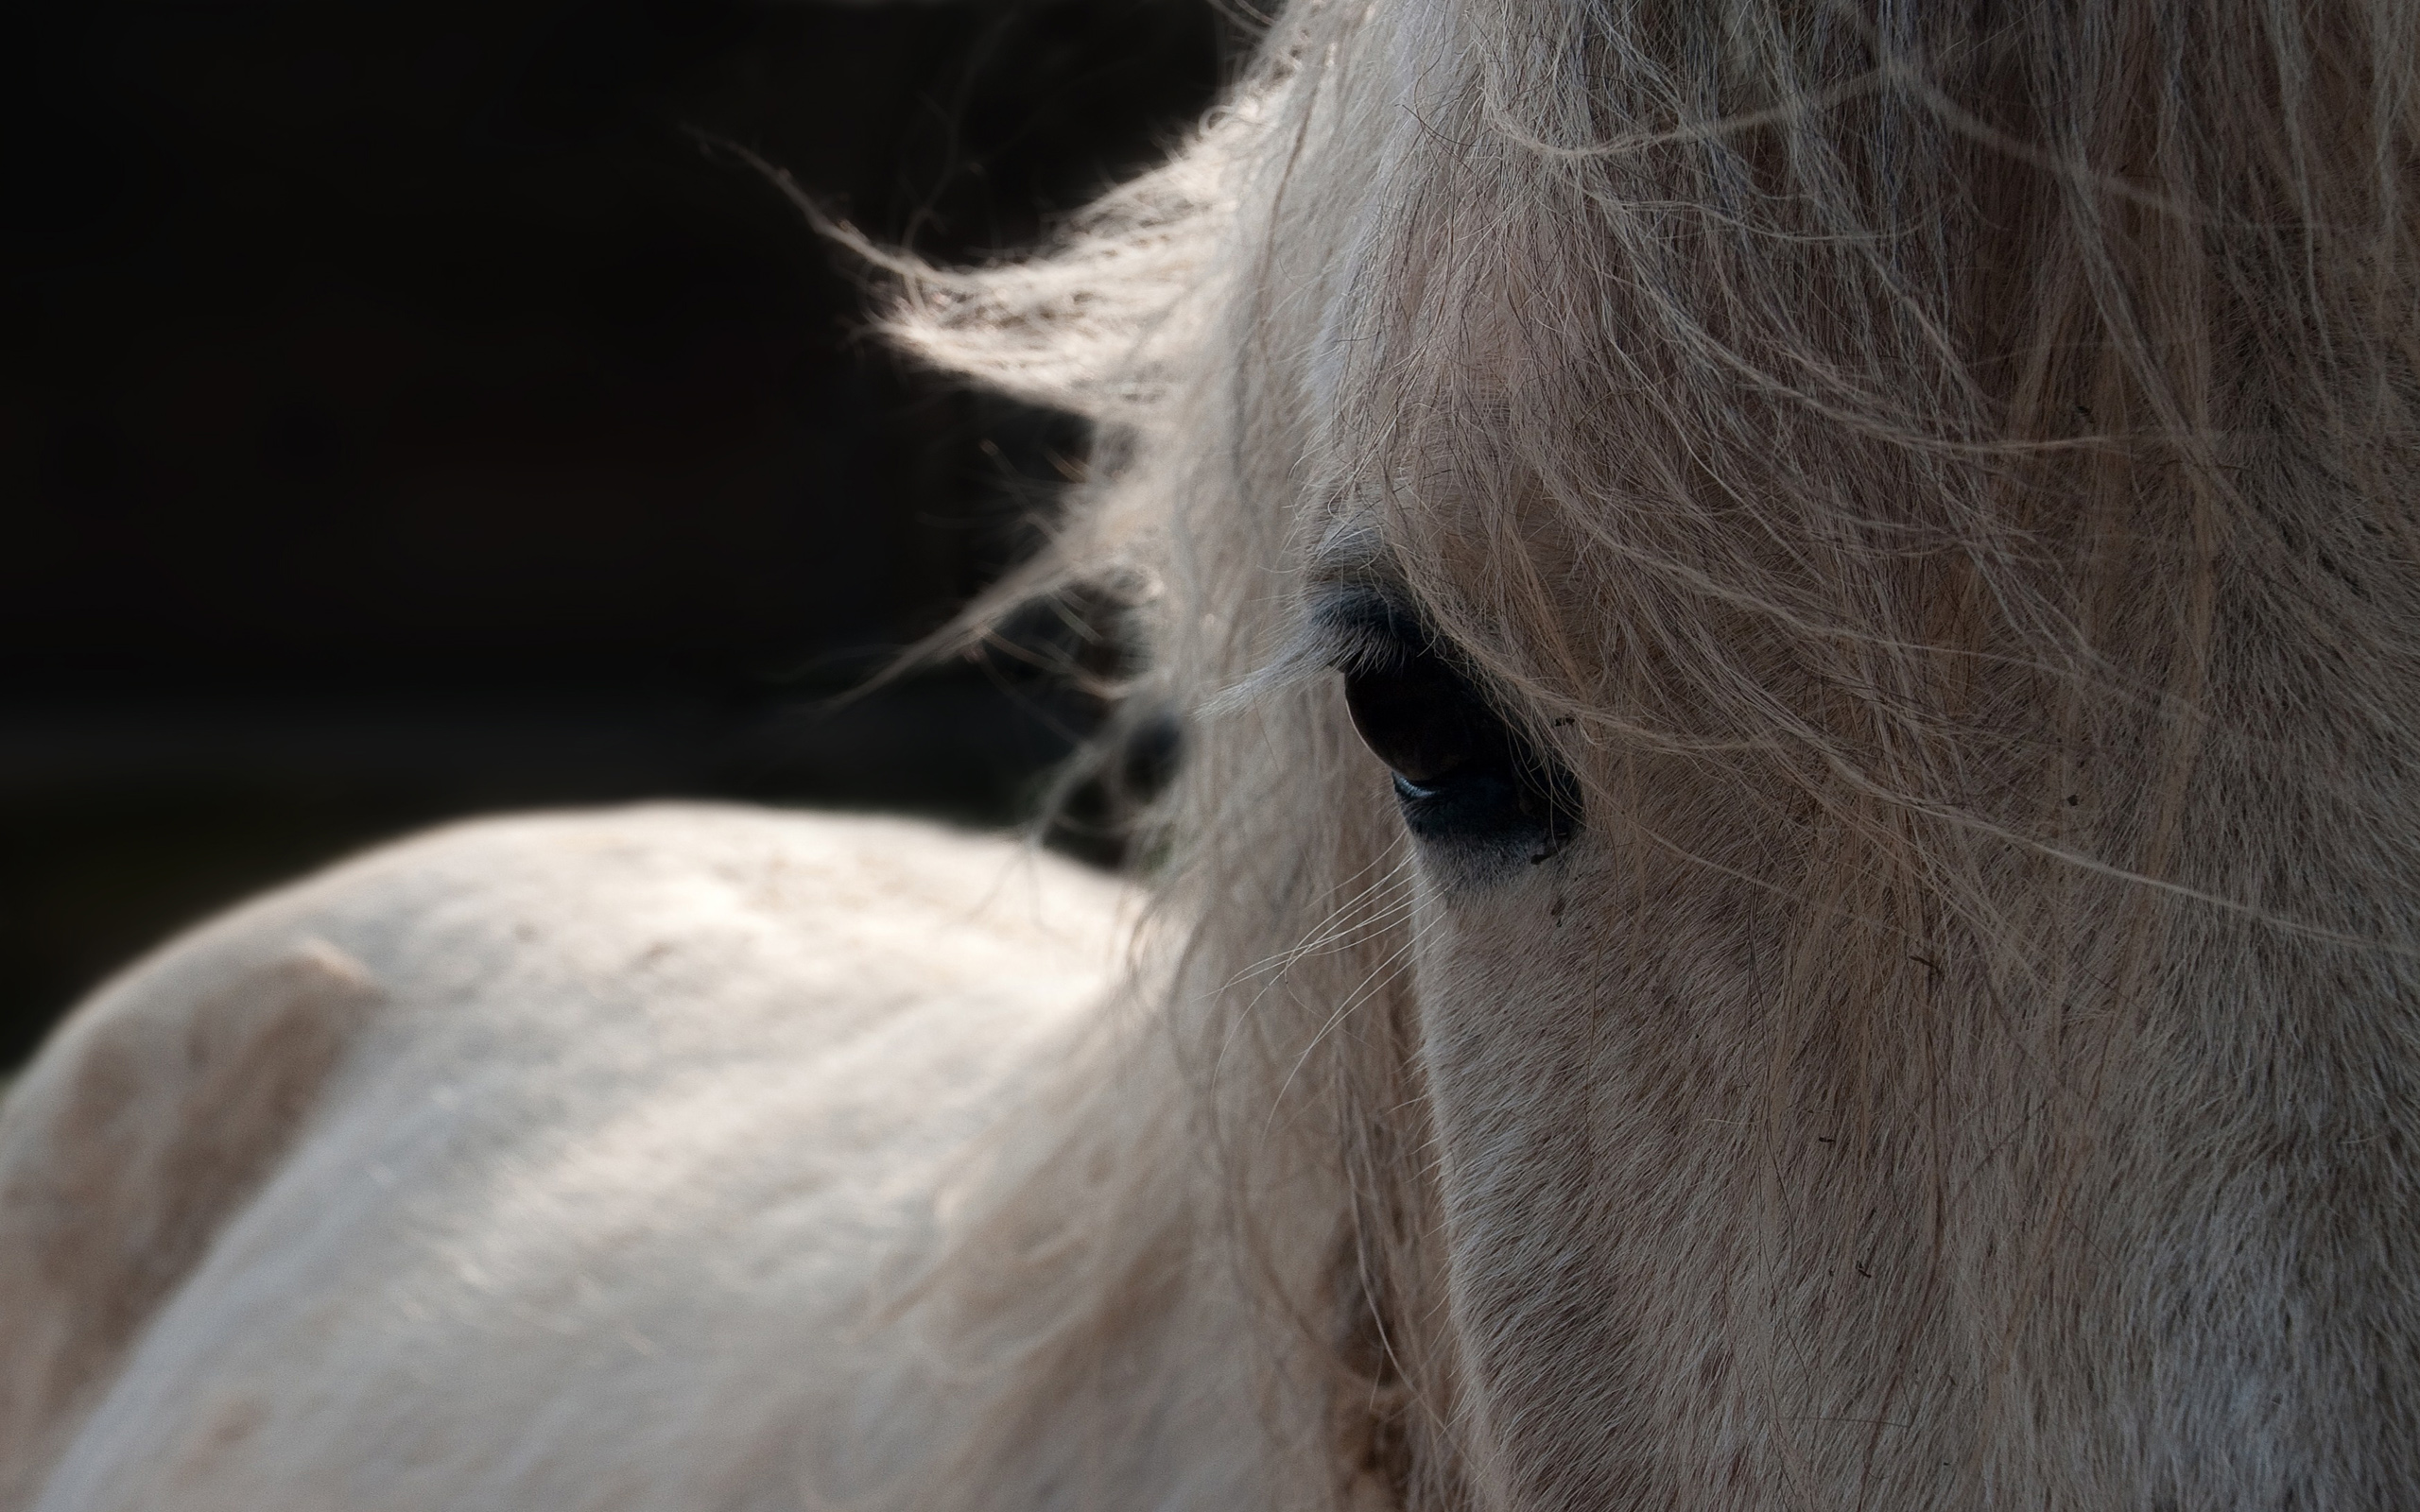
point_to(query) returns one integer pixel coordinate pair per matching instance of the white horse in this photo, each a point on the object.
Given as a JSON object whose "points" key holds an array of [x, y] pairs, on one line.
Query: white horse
{"points": [[1793, 886]]}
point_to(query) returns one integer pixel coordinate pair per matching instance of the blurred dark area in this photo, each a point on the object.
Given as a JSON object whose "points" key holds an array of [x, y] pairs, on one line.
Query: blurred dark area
{"points": [[404, 415]]}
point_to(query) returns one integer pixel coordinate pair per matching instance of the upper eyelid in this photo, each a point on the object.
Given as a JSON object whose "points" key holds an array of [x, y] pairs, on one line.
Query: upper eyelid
{"points": [[1358, 625], [1366, 624]]}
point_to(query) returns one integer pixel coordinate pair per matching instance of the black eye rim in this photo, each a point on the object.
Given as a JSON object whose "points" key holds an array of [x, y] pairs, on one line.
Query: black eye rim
{"points": [[1475, 778]]}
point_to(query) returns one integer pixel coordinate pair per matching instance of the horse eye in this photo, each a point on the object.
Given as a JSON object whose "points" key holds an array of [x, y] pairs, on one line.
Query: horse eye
{"points": [[1462, 774]]}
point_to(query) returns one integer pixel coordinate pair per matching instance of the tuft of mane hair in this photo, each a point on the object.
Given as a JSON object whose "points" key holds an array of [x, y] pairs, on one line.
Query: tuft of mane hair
{"points": [[1941, 479]]}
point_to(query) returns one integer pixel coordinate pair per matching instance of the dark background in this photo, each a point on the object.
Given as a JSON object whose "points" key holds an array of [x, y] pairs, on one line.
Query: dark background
{"points": [[404, 414]]}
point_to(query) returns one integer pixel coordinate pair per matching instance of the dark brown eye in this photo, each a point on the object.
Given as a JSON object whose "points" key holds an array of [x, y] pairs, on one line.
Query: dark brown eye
{"points": [[1462, 774], [1421, 719]]}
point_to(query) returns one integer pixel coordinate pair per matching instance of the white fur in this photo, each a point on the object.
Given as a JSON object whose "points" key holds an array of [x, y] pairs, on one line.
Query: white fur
{"points": [[623, 1125]]}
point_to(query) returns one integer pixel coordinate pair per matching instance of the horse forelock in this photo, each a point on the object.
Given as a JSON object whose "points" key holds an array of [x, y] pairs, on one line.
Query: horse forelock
{"points": [[1936, 478]]}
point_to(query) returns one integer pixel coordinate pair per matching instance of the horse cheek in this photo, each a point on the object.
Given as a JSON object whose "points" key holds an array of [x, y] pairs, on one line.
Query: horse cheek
{"points": [[1508, 983]]}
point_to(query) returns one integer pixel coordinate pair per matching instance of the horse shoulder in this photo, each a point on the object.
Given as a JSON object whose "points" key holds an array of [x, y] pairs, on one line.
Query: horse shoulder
{"points": [[562, 1075]]}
